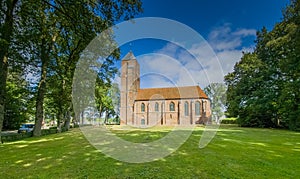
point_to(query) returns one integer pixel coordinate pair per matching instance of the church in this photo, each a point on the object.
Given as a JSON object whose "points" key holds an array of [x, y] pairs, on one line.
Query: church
{"points": [[170, 106]]}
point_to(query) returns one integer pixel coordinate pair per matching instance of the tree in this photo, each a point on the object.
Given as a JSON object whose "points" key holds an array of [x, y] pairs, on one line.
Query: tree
{"points": [[286, 42], [217, 94], [62, 29], [246, 94], [279, 49], [263, 90], [107, 97], [7, 24], [17, 96], [48, 40], [38, 23]]}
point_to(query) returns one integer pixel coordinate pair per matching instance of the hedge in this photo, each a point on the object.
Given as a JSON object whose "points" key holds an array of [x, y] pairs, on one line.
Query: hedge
{"points": [[17, 136], [228, 121]]}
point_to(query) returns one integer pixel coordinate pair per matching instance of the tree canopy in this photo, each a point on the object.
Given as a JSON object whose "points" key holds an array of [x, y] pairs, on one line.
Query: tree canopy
{"points": [[44, 40], [263, 90], [216, 92]]}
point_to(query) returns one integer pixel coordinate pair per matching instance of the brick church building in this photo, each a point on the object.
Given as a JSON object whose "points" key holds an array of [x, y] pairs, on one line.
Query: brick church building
{"points": [[186, 105]]}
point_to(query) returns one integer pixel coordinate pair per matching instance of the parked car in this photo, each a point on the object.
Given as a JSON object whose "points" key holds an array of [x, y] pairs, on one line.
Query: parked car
{"points": [[25, 128]]}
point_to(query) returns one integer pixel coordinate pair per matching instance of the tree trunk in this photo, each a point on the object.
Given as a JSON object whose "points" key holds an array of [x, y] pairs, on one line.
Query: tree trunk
{"points": [[82, 117], [39, 114], [67, 121], [3, 77], [7, 32], [59, 118], [106, 117], [76, 119]]}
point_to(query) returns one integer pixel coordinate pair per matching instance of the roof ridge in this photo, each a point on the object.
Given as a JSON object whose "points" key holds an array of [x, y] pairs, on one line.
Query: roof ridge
{"points": [[129, 56], [171, 87]]}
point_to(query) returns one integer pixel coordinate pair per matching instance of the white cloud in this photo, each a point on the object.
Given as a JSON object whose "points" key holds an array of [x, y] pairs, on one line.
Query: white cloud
{"points": [[245, 32], [158, 70], [224, 38], [175, 66], [179, 68], [228, 59]]}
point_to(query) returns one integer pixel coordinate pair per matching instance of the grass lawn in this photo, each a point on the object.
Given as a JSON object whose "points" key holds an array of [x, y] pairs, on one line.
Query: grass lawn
{"points": [[233, 153]]}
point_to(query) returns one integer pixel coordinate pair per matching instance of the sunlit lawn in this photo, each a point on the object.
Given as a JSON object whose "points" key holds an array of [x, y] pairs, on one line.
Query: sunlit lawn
{"points": [[233, 153]]}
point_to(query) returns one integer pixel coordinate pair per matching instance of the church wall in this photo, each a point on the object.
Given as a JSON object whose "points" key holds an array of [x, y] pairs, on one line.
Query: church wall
{"points": [[164, 116]]}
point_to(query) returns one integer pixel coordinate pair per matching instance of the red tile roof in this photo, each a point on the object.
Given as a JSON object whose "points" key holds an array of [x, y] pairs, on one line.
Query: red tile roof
{"points": [[187, 92]]}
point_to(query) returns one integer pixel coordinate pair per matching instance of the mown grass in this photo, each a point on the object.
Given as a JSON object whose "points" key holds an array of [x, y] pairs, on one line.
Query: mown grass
{"points": [[233, 153]]}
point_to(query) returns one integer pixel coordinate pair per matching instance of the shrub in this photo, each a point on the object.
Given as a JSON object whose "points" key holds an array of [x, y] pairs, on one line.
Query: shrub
{"points": [[229, 121], [15, 136], [49, 131]]}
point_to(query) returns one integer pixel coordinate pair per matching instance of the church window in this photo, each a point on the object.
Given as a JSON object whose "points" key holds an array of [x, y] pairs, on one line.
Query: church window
{"points": [[197, 108], [156, 107], [143, 107], [142, 121], [172, 106], [186, 108]]}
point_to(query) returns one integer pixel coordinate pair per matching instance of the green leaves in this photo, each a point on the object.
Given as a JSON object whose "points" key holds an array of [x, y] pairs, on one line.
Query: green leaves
{"points": [[47, 38], [217, 94], [264, 88]]}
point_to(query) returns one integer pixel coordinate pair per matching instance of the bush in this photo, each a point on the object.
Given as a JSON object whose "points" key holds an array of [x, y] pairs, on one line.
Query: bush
{"points": [[49, 131], [64, 129], [229, 121], [15, 136]]}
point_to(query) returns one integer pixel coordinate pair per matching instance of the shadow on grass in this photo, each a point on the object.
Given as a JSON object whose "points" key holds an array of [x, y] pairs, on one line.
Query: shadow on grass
{"points": [[233, 153]]}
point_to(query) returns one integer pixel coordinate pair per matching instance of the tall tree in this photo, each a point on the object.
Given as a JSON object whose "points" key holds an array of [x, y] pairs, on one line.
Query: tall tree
{"points": [[286, 41], [7, 18], [38, 24], [62, 29], [263, 90], [217, 94], [246, 93], [17, 97]]}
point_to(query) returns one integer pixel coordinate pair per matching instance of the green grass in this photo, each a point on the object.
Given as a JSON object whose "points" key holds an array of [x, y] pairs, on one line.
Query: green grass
{"points": [[233, 153], [230, 118]]}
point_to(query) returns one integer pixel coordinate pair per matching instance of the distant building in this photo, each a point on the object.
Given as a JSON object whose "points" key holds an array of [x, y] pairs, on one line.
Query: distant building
{"points": [[159, 106]]}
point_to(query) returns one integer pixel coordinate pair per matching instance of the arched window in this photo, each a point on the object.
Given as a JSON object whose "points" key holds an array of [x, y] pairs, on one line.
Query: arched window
{"points": [[156, 107], [186, 108], [143, 107], [172, 106], [197, 108], [142, 121]]}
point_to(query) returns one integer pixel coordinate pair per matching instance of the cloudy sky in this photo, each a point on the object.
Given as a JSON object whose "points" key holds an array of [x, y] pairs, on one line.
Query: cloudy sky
{"points": [[227, 27]]}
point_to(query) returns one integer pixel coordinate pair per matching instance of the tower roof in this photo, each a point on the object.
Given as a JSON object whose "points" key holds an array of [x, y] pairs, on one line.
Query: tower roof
{"points": [[129, 56]]}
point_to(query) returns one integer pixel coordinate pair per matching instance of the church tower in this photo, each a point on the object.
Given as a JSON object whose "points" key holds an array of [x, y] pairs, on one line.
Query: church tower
{"points": [[130, 84]]}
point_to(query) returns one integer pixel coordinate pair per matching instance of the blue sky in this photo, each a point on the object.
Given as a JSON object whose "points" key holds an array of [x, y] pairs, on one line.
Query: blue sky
{"points": [[228, 26]]}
